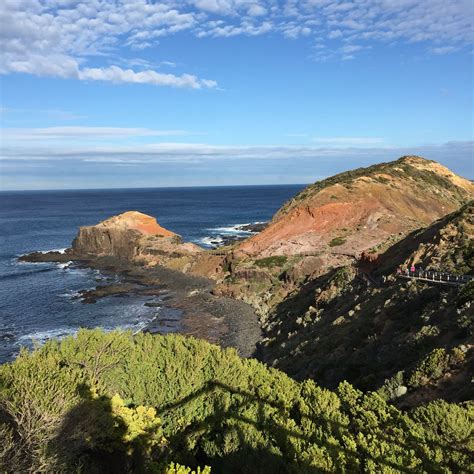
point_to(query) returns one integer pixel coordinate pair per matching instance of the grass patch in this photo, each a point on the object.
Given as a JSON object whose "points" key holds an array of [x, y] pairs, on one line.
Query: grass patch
{"points": [[270, 262], [337, 241]]}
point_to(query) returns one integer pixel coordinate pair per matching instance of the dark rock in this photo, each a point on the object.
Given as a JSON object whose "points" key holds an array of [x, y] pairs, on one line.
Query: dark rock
{"points": [[39, 257], [153, 304], [91, 296], [254, 228]]}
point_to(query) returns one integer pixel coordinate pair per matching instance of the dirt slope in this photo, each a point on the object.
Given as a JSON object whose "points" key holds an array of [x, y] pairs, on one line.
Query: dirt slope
{"points": [[358, 210]]}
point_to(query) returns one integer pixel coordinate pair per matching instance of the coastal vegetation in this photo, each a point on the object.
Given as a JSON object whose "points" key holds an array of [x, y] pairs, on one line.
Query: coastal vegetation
{"points": [[270, 262], [114, 402], [361, 371], [337, 241], [410, 341]]}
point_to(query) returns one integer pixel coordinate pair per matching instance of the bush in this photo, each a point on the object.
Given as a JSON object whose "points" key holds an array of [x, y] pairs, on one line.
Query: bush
{"points": [[337, 241], [121, 403], [432, 367], [466, 294], [270, 262], [448, 424], [393, 387]]}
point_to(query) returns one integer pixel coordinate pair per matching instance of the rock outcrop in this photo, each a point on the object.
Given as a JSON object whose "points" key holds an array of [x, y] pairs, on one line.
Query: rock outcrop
{"points": [[362, 209], [131, 236]]}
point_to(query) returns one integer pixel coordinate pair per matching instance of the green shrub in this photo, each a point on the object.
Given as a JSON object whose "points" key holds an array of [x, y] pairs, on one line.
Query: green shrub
{"points": [[393, 387], [448, 424], [337, 241], [432, 367], [466, 294], [121, 403], [270, 262]]}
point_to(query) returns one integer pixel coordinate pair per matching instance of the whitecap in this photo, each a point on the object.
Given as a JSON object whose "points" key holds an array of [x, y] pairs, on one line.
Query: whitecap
{"points": [[61, 251], [42, 336], [211, 241], [231, 229], [236, 228], [70, 294]]}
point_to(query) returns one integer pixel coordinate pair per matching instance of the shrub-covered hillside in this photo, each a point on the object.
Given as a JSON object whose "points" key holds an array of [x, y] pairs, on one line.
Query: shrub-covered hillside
{"points": [[411, 339], [113, 402]]}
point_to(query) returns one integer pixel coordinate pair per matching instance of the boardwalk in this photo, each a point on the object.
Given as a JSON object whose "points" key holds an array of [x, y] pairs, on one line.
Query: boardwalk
{"points": [[427, 276], [436, 277]]}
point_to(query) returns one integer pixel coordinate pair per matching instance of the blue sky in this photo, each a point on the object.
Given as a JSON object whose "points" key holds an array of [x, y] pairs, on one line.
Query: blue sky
{"points": [[98, 94]]}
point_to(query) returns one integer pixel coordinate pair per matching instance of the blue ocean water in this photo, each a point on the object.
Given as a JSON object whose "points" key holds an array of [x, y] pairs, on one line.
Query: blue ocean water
{"points": [[37, 300]]}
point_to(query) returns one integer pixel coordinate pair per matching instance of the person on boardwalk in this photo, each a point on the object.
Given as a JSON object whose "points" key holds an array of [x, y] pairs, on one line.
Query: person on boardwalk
{"points": [[412, 268]]}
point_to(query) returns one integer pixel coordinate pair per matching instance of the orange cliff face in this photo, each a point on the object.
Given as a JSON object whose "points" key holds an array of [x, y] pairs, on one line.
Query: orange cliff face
{"points": [[359, 210], [133, 237], [135, 220]]}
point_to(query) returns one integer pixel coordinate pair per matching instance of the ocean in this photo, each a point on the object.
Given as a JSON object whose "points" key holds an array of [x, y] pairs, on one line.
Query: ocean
{"points": [[38, 300]]}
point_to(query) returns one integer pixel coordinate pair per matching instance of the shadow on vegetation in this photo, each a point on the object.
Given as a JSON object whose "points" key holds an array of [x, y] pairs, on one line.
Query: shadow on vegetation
{"points": [[92, 438], [250, 460], [355, 334]]}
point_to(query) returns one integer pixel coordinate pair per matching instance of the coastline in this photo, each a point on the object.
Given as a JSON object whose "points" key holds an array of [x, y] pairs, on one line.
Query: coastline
{"points": [[217, 319]]}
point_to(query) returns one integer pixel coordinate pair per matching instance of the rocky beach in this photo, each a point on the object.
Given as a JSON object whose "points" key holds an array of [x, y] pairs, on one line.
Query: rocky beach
{"points": [[117, 247]]}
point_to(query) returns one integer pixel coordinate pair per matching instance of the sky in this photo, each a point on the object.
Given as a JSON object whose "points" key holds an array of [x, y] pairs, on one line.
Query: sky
{"points": [[137, 93]]}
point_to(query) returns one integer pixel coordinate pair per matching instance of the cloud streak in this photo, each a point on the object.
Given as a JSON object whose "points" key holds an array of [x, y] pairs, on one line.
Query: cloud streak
{"points": [[84, 133], [201, 152]]}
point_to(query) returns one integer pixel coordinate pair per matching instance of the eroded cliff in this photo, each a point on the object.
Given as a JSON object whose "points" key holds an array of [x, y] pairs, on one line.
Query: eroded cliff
{"points": [[134, 237]]}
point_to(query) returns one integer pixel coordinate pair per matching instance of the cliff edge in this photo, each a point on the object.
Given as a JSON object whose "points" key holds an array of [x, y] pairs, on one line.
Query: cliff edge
{"points": [[131, 236]]}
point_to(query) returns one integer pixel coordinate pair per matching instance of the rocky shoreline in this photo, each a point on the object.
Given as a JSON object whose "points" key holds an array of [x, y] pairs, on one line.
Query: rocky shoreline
{"points": [[223, 240], [217, 319]]}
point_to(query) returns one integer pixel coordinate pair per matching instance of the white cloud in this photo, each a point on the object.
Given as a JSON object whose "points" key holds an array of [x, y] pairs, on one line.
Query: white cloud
{"points": [[18, 114], [39, 38], [201, 152], [256, 10], [119, 75], [61, 38], [351, 48], [444, 49]]}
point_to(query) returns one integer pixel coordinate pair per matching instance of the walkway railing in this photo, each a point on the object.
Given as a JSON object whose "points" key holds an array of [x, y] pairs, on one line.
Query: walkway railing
{"points": [[436, 277]]}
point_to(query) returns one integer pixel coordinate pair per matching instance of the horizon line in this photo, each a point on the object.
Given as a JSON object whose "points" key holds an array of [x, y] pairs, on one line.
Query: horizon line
{"points": [[153, 187]]}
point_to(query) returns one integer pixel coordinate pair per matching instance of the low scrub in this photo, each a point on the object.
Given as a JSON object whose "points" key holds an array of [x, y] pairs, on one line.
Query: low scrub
{"points": [[114, 402], [337, 241], [271, 262]]}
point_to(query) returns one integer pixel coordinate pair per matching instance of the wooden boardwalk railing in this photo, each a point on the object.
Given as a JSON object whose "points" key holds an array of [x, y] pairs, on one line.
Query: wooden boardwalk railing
{"points": [[428, 276], [436, 277]]}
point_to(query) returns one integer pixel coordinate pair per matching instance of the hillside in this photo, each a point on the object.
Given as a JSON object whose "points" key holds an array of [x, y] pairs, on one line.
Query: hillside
{"points": [[362, 324], [362, 209], [333, 224], [115, 403]]}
